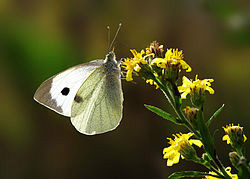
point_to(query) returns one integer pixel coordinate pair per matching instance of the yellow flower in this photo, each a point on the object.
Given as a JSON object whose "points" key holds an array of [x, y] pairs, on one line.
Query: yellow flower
{"points": [[173, 57], [180, 147], [152, 83], [234, 134], [160, 62], [228, 170], [196, 86], [138, 57], [135, 63], [130, 65]]}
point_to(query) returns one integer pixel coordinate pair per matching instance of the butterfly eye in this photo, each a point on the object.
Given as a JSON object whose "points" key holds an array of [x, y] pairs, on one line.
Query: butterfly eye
{"points": [[110, 55], [65, 91]]}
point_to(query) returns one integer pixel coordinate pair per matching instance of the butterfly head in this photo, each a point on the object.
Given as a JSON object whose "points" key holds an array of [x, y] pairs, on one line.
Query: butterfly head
{"points": [[110, 62], [110, 56]]}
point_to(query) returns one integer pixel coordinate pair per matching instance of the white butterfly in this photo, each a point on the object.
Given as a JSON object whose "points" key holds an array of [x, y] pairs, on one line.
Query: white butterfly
{"points": [[90, 94]]}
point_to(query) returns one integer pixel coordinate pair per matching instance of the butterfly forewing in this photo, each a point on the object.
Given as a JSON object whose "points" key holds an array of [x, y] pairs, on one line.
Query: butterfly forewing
{"points": [[58, 92], [97, 106]]}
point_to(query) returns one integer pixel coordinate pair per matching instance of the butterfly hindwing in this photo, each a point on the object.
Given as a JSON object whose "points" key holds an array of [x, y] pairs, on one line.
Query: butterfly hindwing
{"points": [[97, 106], [58, 92]]}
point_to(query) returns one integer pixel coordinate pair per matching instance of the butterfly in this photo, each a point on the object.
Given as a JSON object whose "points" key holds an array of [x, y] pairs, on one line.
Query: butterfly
{"points": [[89, 93]]}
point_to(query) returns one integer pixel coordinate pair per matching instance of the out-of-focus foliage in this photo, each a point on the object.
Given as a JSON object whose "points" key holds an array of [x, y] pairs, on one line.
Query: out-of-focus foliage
{"points": [[41, 38]]}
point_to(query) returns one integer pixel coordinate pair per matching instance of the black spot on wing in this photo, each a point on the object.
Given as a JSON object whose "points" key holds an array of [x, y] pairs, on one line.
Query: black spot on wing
{"points": [[78, 99], [65, 91]]}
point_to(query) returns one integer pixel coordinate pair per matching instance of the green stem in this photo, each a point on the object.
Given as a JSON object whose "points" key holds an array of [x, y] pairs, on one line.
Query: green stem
{"points": [[177, 110], [209, 144], [208, 165], [221, 167], [186, 121], [239, 152]]}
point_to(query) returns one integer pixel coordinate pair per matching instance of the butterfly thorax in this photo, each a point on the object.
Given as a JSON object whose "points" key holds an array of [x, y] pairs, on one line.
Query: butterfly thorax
{"points": [[110, 64]]}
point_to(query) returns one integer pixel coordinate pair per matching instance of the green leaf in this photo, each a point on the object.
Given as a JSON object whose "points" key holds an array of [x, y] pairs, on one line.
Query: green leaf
{"points": [[215, 115], [163, 114], [178, 175], [205, 135]]}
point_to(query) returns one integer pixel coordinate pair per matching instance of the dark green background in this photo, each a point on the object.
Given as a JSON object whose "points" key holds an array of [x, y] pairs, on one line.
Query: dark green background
{"points": [[41, 38]]}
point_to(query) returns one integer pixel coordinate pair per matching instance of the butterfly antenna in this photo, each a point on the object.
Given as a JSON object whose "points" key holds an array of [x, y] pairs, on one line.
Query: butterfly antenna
{"points": [[119, 27], [108, 28]]}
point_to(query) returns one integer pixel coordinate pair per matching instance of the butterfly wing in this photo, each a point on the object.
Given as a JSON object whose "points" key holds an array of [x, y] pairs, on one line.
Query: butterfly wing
{"points": [[97, 107], [58, 92]]}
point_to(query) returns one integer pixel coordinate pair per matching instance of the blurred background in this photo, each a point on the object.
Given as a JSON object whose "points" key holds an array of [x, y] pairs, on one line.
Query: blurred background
{"points": [[41, 38]]}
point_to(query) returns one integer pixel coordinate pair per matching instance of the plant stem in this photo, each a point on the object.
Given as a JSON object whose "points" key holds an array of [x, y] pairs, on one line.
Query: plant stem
{"points": [[208, 165], [220, 166], [177, 110], [189, 126]]}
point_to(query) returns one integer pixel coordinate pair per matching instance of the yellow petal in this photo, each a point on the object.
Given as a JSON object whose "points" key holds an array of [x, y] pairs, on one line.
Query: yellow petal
{"points": [[185, 66], [196, 142], [160, 62], [150, 82], [167, 149], [210, 90], [168, 152], [226, 137], [228, 169], [183, 88], [134, 52], [129, 76], [168, 54], [137, 68], [245, 138], [186, 81], [176, 159], [184, 95], [170, 163]]}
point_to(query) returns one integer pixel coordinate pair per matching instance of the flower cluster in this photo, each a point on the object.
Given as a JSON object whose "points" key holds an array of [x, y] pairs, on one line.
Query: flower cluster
{"points": [[155, 63], [163, 69]]}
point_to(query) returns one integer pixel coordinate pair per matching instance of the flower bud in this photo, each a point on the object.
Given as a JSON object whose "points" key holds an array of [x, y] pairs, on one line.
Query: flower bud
{"points": [[191, 114], [234, 136], [188, 152], [156, 49], [205, 157], [234, 158], [197, 97]]}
